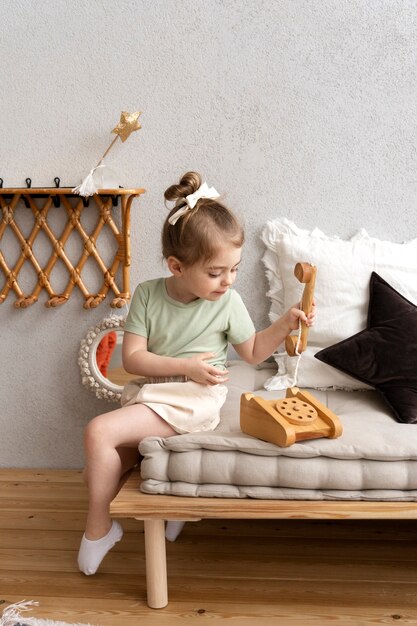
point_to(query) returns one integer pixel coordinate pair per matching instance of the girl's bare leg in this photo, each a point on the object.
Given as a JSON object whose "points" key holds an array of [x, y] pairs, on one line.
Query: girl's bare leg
{"points": [[129, 458], [105, 435], [111, 449]]}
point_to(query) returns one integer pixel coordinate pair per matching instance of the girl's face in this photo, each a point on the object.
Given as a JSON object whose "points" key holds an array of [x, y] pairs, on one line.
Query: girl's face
{"points": [[210, 280]]}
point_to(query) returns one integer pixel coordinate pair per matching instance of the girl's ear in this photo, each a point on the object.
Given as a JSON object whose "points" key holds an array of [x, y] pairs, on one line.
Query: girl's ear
{"points": [[175, 266]]}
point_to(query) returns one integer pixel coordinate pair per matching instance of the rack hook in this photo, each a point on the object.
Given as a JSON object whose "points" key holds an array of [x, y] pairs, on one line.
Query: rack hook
{"points": [[56, 199], [28, 185]]}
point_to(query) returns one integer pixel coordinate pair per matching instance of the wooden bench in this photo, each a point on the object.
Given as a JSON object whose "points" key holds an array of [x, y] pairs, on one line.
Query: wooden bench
{"points": [[154, 510]]}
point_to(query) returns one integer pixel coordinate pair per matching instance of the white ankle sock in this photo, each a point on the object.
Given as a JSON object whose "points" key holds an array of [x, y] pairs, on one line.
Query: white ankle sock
{"points": [[173, 529], [93, 551]]}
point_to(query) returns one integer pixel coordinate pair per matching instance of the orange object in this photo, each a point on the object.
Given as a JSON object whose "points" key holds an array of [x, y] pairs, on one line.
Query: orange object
{"points": [[105, 350]]}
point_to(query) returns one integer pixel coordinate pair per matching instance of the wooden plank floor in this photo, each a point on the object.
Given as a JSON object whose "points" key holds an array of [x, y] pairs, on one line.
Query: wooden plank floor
{"points": [[295, 572]]}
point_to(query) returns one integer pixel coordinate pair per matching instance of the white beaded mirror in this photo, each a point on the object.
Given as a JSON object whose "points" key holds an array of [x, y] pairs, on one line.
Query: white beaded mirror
{"points": [[100, 359]]}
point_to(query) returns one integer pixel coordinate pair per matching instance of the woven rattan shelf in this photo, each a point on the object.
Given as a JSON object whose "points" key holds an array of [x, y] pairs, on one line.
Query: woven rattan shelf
{"points": [[41, 201]]}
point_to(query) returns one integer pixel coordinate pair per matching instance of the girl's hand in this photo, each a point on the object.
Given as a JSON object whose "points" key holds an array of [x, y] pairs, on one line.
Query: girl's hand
{"points": [[201, 372], [295, 313]]}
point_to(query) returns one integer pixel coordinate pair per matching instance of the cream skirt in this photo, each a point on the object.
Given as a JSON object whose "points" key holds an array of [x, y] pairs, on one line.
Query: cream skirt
{"points": [[186, 406]]}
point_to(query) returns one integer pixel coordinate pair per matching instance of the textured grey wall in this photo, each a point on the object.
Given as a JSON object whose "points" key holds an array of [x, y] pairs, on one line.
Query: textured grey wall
{"points": [[302, 108]]}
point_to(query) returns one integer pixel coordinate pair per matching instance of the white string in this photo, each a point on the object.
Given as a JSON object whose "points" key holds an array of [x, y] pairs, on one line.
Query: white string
{"points": [[297, 345], [297, 353]]}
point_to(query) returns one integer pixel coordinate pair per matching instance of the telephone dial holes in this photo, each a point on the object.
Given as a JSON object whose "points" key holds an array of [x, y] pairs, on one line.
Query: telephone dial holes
{"points": [[296, 411]]}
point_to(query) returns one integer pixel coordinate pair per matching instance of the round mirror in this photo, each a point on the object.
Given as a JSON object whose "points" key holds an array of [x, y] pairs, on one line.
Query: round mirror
{"points": [[100, 359]]}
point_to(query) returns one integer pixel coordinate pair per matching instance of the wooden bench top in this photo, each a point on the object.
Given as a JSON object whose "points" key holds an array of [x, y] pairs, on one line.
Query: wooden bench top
{"points": [[130, 502]]}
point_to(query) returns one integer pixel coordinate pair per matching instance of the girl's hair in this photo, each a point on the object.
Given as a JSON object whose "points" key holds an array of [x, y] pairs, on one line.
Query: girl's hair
{"points": [[200, 231]]}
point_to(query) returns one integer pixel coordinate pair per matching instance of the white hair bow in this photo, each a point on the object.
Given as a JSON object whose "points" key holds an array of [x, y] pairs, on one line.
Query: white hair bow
{"points": [[204, 191]]}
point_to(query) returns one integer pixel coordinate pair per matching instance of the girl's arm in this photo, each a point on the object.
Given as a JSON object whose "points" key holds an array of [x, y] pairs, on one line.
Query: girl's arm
{"points": [[139, 361], [264, 343]]}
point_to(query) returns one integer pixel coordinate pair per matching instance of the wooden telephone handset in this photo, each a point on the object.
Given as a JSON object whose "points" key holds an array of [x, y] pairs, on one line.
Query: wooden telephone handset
{"points": [[305, 273]]}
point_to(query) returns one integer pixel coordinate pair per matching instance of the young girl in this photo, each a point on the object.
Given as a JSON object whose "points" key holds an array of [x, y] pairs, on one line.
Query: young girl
{"points": [[177, 332]]}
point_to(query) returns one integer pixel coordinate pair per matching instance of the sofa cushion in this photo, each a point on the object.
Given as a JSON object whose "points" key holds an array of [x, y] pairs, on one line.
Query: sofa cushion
{"points": [[383, 355], [343, 273]]}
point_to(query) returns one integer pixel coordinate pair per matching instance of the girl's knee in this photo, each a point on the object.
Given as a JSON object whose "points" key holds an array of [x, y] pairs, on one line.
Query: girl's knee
{"points": [[96, 432]]}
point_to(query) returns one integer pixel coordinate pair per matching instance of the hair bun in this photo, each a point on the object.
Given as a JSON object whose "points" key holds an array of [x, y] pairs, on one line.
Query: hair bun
{"points": [[189, 183]]}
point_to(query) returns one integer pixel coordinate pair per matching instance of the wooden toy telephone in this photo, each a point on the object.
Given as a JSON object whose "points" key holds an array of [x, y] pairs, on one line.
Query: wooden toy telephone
{"points": [[299, 415]]}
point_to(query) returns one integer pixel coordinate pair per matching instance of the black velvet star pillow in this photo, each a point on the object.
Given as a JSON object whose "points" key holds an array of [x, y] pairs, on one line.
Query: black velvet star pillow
{"points": [[384, 355]]}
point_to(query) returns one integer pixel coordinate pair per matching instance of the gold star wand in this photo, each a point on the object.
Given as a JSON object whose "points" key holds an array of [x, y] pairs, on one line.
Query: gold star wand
{"points": [[129, 122]]}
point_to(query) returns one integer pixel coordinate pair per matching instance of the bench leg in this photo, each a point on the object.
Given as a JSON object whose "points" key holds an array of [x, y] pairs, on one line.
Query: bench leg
{"points": [[156, 563]]}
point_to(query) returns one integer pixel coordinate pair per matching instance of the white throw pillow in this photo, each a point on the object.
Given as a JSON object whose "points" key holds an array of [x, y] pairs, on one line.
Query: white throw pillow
{"points": [[342, 291]]}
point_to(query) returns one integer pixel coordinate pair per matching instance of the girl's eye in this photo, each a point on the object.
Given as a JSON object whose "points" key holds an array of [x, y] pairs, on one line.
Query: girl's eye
{"points": [[214, 275]]}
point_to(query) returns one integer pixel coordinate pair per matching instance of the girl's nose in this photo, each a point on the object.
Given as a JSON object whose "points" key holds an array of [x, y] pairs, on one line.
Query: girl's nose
{"points": [[228, 279]]}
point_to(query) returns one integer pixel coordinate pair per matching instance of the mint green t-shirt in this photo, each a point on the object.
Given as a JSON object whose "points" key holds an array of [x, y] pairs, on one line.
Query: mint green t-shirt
{"points": [[176, 329]]}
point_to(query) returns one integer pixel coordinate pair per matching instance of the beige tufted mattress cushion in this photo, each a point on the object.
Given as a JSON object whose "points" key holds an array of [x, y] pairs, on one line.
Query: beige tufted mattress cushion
{"points": [[374, 459]]}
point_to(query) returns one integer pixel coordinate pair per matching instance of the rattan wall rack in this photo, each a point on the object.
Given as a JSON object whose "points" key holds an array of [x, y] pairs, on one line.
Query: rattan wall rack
{"points": [[41, 202]]}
